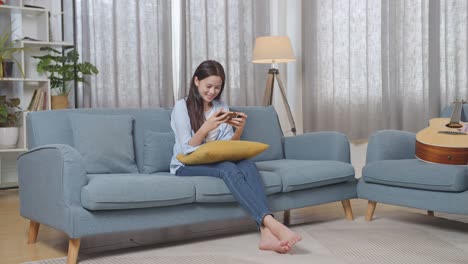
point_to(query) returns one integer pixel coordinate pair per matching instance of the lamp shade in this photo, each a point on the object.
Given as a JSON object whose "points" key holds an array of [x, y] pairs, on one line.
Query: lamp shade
{"points": [[273, 49]]}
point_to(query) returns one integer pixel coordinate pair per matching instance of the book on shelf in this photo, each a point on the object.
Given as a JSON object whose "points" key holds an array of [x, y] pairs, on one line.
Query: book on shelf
{"points": [[38, 101], [31, 103], [44, 102]]}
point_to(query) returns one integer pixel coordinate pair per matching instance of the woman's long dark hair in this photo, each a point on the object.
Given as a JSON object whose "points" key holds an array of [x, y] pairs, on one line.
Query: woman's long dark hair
{"points": [[194, 100]]}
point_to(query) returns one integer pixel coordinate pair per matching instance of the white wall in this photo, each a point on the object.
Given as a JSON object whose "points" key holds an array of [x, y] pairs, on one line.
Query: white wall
{"points": [[358, 156]]}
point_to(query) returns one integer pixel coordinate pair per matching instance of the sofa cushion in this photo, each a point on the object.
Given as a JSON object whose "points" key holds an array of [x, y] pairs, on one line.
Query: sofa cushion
{"points": [[223, 150], [304, 174], [214, 190], [148, 119], [126, 191], [413, 173], [263, 127], [105, 142], [158, 151]]}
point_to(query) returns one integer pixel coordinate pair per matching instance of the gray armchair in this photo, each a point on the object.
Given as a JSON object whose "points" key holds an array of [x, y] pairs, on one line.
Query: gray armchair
{"points": [[392, 175]]}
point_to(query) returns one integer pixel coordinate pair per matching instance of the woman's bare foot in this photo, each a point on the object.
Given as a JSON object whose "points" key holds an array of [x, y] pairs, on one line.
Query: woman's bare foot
{"points": [[282, 232], [268, 241]]}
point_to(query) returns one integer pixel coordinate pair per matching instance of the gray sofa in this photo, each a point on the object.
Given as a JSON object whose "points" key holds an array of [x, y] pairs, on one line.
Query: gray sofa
{"points": [[393, 175], [79, 176]]}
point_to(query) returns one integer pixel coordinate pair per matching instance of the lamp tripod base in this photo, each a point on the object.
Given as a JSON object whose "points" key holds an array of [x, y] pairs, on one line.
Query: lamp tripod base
{"points": [[268, 98]]}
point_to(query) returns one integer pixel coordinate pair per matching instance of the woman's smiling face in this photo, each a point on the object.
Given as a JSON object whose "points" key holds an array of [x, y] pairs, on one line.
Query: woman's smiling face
{"points": [[209, 88]]}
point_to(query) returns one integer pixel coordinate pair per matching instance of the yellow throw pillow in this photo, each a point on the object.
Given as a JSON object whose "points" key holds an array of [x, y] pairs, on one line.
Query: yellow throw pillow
{"points": [[223, 150]]}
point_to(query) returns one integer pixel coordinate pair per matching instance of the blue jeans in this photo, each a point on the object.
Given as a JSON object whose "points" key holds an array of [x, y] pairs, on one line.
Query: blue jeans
{"points": [[243, 180]]}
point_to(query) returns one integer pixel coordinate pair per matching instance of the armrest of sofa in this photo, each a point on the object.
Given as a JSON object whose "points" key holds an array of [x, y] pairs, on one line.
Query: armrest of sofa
{"points": [[327, 145], [50, 182], [391, 145]]}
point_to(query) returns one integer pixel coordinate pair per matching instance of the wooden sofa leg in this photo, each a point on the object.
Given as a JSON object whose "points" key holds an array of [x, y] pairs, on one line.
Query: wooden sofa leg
{"points": [[287, 217], [347, 209], [73, 248], [370, 210], [430, 213], [33, 231]]}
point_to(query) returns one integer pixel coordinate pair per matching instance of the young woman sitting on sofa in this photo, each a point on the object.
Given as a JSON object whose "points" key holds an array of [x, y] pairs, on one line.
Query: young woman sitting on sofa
{"points": [[202, 117]]}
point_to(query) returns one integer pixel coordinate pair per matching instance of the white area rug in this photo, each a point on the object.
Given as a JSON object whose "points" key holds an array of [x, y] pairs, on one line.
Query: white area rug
{"points": [[400, 238], [155, 259]]}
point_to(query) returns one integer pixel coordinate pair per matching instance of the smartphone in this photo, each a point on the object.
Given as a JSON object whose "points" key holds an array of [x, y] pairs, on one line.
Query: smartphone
{"points": [[230, 115]]}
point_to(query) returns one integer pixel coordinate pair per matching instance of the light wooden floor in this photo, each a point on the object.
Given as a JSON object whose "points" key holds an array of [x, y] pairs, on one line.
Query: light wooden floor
{"points": [[52, 243]]}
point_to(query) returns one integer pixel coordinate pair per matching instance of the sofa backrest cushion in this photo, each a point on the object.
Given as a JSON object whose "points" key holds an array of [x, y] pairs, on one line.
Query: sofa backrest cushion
{"points": [[263, 126], [105, 142], [54, 127], [157, 151]]}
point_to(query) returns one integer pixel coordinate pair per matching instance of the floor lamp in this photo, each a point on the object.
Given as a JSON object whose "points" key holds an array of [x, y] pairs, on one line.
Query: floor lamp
{"points": [[274, 50]]}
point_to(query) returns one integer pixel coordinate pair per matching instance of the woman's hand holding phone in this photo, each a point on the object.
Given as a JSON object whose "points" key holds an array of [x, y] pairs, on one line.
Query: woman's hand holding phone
{"points": [[229, 115], [235, 119], [215, 120], [238, 120]]}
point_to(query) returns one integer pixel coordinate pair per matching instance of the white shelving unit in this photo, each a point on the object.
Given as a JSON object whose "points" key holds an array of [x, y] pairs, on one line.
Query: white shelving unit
{"points": [[31, 28], [8, 86], [33, 49]]}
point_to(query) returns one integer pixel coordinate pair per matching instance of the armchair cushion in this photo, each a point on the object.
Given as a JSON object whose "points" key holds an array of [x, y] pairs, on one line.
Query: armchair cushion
{"points": [[413, 173], [105, 142], [391, 145]]}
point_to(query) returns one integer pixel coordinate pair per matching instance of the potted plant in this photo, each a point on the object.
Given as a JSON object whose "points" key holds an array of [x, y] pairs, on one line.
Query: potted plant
{"points": [[7, 51], [63, 69], [10, 116]]}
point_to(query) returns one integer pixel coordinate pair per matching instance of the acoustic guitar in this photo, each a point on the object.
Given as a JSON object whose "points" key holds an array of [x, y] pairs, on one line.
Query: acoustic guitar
{"points": [[443, 141]]}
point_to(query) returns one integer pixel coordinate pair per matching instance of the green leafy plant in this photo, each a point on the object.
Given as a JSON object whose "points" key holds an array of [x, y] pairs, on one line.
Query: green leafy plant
{"points": [[62, 68], [10, 112], [7, 51]]}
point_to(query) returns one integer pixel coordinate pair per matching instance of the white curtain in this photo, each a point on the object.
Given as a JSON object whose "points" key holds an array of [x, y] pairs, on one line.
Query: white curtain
{"points": [[390, 64], [225, 31], [130, 44]]}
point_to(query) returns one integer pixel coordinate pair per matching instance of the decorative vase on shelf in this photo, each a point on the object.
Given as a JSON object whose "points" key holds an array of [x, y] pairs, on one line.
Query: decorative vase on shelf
{"points": [[7, 69], [9, 137], [59, 102]]}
